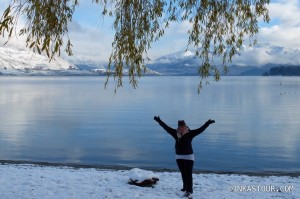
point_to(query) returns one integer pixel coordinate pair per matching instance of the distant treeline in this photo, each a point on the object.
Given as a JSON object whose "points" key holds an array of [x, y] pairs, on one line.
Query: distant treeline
{"points": [[283, 71]]}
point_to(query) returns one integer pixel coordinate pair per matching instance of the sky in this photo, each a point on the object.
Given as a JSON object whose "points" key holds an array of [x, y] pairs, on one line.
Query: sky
{"points": [[92, 34]]}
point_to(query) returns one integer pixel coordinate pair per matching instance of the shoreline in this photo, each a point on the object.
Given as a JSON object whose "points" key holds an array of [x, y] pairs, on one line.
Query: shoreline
{"points": [[32, 181], [119, 167]]}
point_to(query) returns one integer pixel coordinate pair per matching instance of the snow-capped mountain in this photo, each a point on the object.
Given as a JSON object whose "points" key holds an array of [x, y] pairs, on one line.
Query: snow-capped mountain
{"points": [[178, 63], [92, 66], [25, 62], [175, 57], [248, 61], [22, 61], [25, 59]]}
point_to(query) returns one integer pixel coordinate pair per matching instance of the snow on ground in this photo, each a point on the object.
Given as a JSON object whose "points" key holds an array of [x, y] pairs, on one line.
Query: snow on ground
{"points": [[31, 181]]}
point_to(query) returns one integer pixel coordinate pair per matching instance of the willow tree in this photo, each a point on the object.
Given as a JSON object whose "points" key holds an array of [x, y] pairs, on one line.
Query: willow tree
{"points": [[218, 28]]}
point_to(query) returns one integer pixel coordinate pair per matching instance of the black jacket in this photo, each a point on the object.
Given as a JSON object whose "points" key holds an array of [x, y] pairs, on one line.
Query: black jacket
{"points": [[183, 145]]}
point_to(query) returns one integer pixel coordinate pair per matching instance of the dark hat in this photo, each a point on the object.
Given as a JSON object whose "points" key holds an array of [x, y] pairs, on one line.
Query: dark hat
{"points": [[181, 122]]}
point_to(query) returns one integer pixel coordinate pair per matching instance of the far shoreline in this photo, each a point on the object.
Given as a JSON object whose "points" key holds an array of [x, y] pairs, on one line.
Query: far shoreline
{"points": [[120, 167]]}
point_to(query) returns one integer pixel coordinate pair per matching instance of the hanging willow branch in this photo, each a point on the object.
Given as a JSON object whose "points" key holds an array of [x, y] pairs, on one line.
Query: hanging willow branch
{"points": [[218, 29]]}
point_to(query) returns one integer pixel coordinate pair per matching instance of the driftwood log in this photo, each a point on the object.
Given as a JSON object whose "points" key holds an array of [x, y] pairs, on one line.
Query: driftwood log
{"points": [[146, 183]]}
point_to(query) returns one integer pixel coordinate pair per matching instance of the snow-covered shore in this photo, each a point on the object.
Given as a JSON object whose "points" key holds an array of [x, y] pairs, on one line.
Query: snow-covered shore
{"points": [[33, 181]]}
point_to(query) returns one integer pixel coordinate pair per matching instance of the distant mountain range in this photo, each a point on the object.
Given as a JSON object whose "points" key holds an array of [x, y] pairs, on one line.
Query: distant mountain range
{"points": [[249, 61]]}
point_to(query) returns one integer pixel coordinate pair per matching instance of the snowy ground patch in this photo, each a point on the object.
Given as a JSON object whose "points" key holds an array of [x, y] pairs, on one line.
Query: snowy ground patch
{"points": [[35, 182]]}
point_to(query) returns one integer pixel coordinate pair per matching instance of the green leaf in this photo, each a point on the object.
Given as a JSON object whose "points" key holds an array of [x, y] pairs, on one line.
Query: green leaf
{"points": [[32, 44]]}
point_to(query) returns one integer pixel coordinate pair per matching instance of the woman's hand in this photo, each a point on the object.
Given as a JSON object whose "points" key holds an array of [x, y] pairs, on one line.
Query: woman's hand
{"points": [[157, 118], [210, 121]]}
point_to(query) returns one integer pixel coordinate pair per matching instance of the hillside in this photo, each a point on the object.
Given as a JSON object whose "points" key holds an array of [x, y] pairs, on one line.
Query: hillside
{"points": [[24, 62], [283, 71]]}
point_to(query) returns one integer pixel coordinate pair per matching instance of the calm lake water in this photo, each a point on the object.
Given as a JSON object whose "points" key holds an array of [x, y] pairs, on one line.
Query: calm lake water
{"points": [[76, 120]]}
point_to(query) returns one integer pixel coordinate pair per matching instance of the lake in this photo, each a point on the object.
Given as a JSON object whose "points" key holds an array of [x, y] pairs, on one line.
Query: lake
{"points": [[75, 120]]}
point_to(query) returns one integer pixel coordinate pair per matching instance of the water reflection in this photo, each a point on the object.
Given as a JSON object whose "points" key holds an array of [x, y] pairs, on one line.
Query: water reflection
{"points": [[74, 119]]}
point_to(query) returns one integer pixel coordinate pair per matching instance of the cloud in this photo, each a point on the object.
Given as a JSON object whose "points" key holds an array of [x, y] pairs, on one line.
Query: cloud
{"points": [[287, 11], [90, 44], [288, 36], [266, 53], [286, 30], [175, 39]]}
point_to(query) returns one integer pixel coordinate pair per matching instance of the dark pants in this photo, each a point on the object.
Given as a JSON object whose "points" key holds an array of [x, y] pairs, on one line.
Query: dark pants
{"points": [[186, 170]]}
